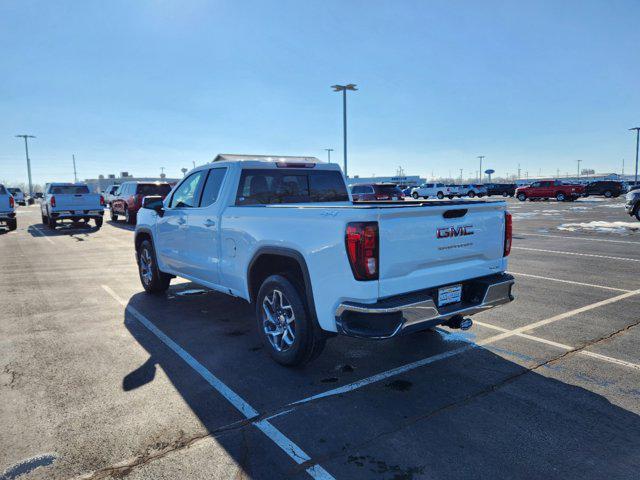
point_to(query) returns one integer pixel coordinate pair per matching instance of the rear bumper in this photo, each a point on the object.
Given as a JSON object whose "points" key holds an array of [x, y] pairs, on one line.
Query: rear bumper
{"points": [[7, 215], [418, 310], [72, 214]]}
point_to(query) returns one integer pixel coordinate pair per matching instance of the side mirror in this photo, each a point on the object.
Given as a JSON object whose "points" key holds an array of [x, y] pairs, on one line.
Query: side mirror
{"points": [[154, 202]]}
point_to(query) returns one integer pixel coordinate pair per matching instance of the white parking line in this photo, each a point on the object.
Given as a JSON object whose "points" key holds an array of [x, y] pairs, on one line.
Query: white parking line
{"points": [[569, 237], [568, 281], [275, 435], [576, 254], [441, 356], [562, 346]]}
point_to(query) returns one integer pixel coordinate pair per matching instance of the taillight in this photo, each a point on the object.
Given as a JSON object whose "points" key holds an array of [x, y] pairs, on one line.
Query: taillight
{"points": [[53, 201], [508, 233], [101, 201], [362, 249], [12, 202]]}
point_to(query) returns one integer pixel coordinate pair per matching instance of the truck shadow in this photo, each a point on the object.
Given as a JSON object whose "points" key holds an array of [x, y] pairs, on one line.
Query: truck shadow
{"points": [[476, 412], [78, 231], [122, 225]]}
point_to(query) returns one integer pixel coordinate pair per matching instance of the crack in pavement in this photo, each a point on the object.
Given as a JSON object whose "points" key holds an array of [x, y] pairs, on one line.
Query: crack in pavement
{"points": [[124, 468], [466, 400]]}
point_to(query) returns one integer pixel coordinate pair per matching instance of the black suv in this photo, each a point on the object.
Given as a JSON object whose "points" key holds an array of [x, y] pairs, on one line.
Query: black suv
{"points": [[606, 188], [504, 189]]}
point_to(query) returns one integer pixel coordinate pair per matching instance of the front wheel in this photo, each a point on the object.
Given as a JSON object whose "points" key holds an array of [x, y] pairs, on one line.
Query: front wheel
{"points": [[440, 195], [471, 194], [505, 194], [608, 194], [522, 197], [285, 325], [153, 280], [415, 195]]}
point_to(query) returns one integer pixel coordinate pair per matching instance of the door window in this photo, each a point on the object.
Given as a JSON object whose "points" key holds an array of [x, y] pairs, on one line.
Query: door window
{"points": [[212, 187], [188, 193]]}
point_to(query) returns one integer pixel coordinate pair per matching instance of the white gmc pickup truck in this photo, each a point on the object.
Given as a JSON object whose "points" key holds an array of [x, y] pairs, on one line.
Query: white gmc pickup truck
{"points": [[7, 209], [71, 201], [283, 234]]}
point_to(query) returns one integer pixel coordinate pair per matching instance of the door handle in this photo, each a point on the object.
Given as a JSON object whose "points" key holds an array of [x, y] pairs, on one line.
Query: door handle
{"points": [[209, 223], [181, 221]]}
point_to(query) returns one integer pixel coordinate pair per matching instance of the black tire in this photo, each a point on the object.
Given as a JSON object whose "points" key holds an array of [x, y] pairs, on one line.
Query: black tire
{"points": [[415, 195], [608, 193], [153, 280], [308, 341], [451, 197], [45, 220], [12, 224], [637, 214], [522, 197], [99, 221], [471, 194], [113, 215], [561, 197], [505, 194], [52, 223], [440, 195]]}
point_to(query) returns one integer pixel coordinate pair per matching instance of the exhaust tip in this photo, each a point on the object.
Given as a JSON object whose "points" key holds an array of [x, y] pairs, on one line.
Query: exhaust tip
{"points": [[459, 322]]}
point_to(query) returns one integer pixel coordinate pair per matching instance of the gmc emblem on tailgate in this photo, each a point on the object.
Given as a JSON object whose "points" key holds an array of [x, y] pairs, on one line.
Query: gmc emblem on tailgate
{"points": [[448, 232]]}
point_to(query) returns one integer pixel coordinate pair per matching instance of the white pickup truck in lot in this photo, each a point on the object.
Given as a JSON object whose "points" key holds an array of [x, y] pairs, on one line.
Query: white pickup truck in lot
{"points": [[7, 209], [73, 202], [283, 234]]}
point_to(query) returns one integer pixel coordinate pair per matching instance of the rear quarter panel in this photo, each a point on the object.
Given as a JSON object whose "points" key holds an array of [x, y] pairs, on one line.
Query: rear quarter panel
{"points": [[318, 234]]}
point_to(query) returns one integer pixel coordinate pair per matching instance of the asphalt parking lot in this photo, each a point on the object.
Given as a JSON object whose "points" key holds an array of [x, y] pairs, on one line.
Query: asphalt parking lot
{"points": [[99, 380]]}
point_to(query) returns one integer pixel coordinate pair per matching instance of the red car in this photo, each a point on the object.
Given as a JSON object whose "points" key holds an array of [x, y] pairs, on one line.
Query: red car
{"points": [[371, 192], [546, 189], [128, 198]]}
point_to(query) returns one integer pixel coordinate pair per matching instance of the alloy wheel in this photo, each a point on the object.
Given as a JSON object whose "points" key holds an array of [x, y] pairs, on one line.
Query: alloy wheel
{"points": [[278, 321], [146, 264]]}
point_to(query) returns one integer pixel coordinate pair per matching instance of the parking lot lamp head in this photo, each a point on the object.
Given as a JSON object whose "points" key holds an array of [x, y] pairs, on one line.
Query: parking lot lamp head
{"points": [[343, 89]]}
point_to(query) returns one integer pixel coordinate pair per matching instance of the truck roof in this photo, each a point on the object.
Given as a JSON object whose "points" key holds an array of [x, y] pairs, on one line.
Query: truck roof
{"points": [[67, 184], [222, 157], [271, 161]]}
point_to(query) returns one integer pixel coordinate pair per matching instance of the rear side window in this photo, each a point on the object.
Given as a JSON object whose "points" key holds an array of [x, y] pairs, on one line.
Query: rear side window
{"points": [[147, 189], [271, 186], [212, 187], [70, 189]]}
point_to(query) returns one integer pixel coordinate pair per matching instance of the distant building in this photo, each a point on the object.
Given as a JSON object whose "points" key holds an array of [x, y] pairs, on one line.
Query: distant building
{"points": [[399, 179]]}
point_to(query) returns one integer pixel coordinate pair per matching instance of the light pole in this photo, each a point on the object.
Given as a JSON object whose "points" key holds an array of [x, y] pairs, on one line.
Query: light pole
{"points": [[329, 150], [75, 172], [481, 157], [26, 150], [343, 89], [637, 129], [578, 168]]}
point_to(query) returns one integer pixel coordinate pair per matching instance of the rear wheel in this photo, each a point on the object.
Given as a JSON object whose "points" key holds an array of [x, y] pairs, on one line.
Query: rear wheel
{"points": [[637, 214], [522, 197], [52, 223], [153, 280], [99, 221], [505, 194], [440, 195], [561, 197], [12, 224], [471, 194], [284, 323], [113, 215], [45, 220], [415, 195]]}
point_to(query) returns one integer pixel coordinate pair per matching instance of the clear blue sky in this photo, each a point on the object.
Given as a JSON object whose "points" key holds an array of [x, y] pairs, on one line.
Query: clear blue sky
{"points": [[139, 85]]}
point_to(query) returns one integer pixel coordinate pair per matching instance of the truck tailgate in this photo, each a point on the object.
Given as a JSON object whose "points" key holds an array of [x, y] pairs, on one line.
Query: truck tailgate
{"points": [[439, 245], [4, 203], [79, 201]]}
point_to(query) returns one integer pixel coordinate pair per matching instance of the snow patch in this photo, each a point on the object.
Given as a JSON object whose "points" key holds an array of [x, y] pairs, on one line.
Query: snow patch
{"points": [[601, 226]]}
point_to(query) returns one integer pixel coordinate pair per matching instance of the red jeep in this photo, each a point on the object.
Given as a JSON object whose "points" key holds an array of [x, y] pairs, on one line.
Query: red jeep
{"points": [[128, 198], [546, 189]]}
